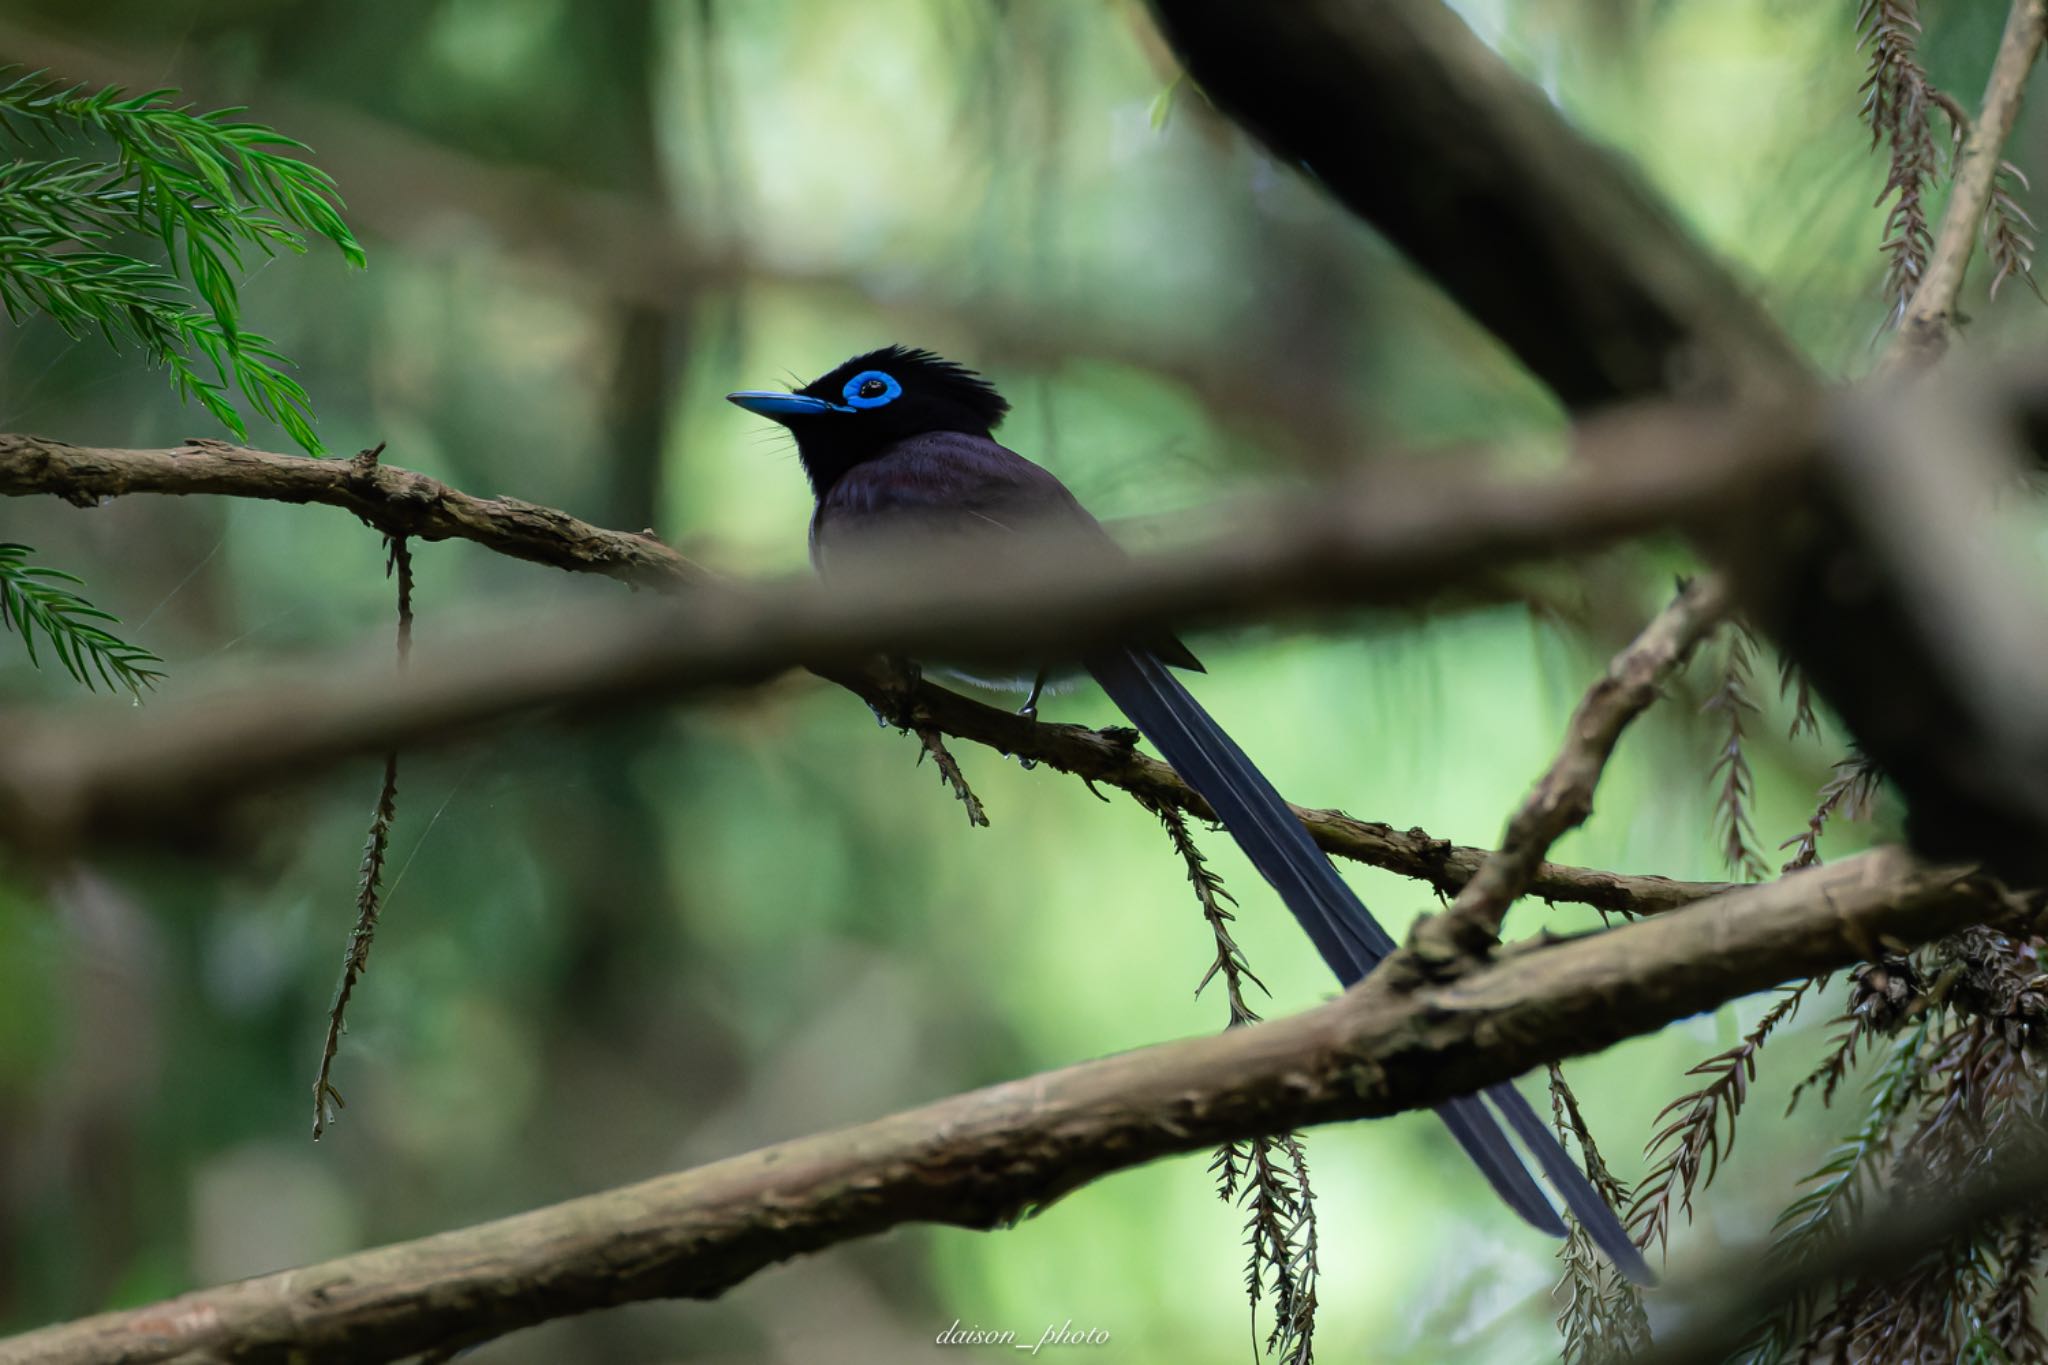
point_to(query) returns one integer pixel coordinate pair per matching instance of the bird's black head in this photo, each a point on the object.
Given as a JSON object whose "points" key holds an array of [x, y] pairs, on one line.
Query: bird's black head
{"points": [[873, 401]]}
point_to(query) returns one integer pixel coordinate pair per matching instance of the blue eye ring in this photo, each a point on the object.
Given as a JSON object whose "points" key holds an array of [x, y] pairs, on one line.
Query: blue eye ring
{"points": [[854, 396]]}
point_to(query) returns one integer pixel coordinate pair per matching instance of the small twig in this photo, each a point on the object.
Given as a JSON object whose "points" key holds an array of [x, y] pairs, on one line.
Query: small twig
{"points": [[327, 1100], [949, 770], [1563, 797], [398, 563], [1930, 317], [365, 461]]}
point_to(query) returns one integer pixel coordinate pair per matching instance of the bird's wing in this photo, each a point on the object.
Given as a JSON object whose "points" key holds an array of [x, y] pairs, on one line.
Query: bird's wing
{"points": [[959, 487]]}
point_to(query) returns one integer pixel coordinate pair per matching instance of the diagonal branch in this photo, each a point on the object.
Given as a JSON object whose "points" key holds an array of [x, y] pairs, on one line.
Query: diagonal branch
{"points": [[1563, 797], [983, 1158], [1931, 315]]}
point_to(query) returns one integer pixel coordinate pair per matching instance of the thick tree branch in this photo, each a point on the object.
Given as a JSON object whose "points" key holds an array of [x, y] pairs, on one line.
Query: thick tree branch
{"points": [[1930, 317], [1920, 623], [1549, 241], [981, 1159], [1563, 797]]}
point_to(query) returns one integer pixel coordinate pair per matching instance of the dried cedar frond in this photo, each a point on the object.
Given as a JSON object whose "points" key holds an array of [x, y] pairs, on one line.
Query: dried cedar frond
{"points": [[2009, 231], [1267, 1176], [1977, 1091], [1835, 1066], [1882, 996], [1899, 104], [1600, 1315], [1923, 1315], [2006, 1313], [1833, 1198], [1996, 978], [1850, 793], [1209, 894], [1693, 1145], [1883, 993], [1792, 679], [1731, 702]]}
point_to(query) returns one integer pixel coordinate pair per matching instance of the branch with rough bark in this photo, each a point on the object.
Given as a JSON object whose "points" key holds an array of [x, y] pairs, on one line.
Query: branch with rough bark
{"points": [[398, 502], [1563, 797], [985, 1158]]}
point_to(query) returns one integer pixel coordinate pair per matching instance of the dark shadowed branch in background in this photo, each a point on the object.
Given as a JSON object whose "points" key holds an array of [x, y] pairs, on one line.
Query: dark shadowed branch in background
{"points": [[1552, 243], [405, 187], [1381, 541], [983, 1158]]}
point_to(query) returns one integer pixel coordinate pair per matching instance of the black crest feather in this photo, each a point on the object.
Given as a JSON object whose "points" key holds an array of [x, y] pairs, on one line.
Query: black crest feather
{"points": [[923, 370]]}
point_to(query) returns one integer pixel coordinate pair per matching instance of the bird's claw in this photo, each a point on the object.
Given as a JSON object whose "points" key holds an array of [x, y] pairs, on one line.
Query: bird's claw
{"points": [[1029, 710]]}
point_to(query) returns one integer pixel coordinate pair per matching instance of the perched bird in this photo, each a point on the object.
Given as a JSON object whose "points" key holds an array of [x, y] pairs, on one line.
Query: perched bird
{"points": [[896, 443]]}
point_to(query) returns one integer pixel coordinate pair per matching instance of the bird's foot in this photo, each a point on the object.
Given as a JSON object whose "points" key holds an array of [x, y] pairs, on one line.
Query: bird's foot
{"points": [[1029, 710], [895, 709]]}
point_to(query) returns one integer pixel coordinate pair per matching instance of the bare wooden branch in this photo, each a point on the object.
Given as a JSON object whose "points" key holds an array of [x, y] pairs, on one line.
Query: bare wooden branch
{"points": [[398, 502], [1930, 318], [981, 1159], [1563, 797], [1110, 757]]}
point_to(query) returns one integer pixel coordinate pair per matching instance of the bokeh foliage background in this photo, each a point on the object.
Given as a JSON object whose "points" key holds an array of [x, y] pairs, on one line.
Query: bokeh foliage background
{"points": [[632, 946]]}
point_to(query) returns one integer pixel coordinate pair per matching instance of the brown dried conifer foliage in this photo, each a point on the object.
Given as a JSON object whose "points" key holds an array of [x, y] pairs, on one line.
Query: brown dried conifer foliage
{"points": [[1267, 1176], [1851, 793], [1694, 1144], [1731, 703], [1956, 1092], [1600, 1315], [2009, 231], [1899, 103]]}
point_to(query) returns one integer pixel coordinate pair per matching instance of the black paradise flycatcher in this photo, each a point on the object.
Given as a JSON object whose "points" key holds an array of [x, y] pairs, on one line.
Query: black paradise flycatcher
{"points": [[897, 447]]}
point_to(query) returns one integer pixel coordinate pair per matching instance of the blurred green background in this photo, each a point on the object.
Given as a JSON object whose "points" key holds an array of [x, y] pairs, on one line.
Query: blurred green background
{"points": [[626, 948]]}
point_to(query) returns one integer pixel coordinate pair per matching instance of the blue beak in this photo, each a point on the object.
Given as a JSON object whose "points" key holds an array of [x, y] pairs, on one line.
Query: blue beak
{"points": [[781, 406]]}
